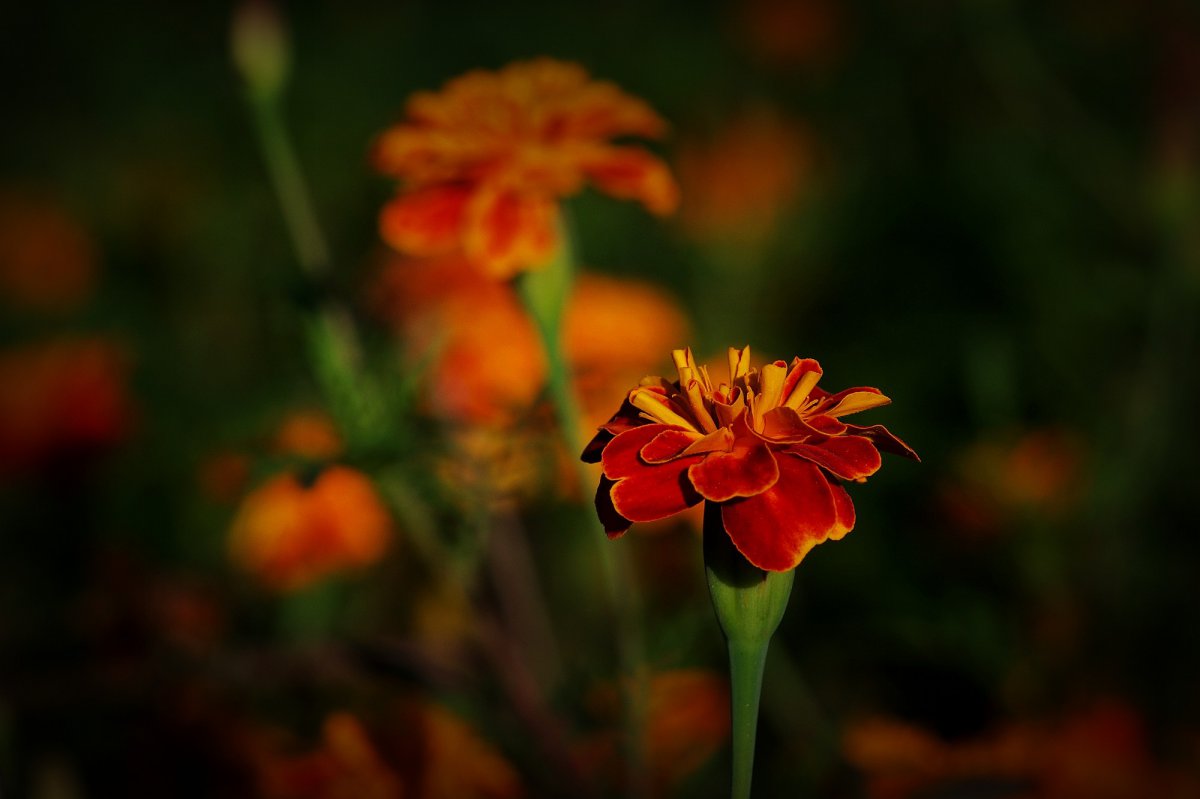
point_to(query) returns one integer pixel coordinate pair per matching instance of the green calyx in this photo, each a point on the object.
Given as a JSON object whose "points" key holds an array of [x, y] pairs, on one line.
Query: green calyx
{"points": [[749, 603]]}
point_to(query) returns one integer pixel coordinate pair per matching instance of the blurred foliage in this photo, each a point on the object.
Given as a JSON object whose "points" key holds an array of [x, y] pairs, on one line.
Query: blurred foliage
{"points": [[989, 209]]}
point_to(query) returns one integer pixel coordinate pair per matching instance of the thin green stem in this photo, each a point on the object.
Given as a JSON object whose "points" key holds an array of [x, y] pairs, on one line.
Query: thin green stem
{"points": [[544, 293], [746, 662], [288, 179]]}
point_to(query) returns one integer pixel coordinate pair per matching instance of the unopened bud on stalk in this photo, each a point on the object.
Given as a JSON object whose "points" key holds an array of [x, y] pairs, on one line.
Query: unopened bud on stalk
{"points": [[260, 47]]}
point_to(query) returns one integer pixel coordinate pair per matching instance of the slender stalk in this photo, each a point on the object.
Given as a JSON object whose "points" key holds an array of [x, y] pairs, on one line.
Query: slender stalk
{"points": [[749, 604], [746, 662], [290, 188], [544, 293]]}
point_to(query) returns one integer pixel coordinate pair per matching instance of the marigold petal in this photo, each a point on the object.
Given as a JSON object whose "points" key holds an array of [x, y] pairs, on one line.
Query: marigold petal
{"points": [[614, 523], [776, 529], [600, 110], [506, 232], [426, 222], [631, 173], [848, 457], [668, 445], [720, 440], [885, 440], [655, 492], [620, 458], [844, 510], [851, 400], [748, 470], [801, 380]]}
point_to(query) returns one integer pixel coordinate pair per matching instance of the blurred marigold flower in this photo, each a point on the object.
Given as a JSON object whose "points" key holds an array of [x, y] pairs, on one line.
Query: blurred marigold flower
{"points": [[308, 434], [1101, 752], [1038, 472], [687, 721], [61, 399], [736, 184], [347, 765], [290, 533], [768, 448], [481, 354], [484, 362], [793, 33], [483, 161], [616, 330], [47, 260]]}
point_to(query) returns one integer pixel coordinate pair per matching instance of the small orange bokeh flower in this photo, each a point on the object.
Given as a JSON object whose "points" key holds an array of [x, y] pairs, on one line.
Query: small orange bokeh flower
{"points": [[308, 434], [61, 398], [768, 448], [291, 534], [47, 260], [737, 183], [687, 721], [346, 764], [1100, 752], [482, 162], [482, 359]]}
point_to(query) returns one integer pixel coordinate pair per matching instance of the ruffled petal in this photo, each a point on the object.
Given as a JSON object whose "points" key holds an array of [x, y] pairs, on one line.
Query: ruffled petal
{"points": [[620, 458], [426, 222], [884, 440], [777, 528], [614, 523], [506, 232], [848, 457], [631, 173], [626, 418], [655, 492], [748, 470], [668, 445], [851, 400], [601, 111], [843, 509]]}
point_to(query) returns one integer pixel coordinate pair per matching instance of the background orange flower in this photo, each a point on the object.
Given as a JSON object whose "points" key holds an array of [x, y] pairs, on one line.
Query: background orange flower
{"points": [[290, 533], [483, 162]]}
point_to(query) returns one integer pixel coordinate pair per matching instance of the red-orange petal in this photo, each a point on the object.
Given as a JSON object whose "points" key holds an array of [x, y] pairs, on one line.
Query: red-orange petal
{"points": [[506, 232], [777, 528], [884, 439], [748, 470], [667, 445], [843, 509], [426, 222], [620, 457], [631, 173], [848, 457], [614, 523], [655, 492]]}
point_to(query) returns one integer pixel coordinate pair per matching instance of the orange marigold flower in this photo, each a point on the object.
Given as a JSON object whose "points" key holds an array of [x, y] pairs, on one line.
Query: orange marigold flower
{"points": [[61, 398], [736, 184], [308, 434], [687, 721], [482, 162], [47, 260], [291, 534], [479, 350], [768, 448]]}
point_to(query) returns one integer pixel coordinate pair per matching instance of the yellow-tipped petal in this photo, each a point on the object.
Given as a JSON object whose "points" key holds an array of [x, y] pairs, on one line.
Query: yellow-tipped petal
{"points": [[770, 385], [858, 401], [739, 363], [808, 381], [695, 400], [658, 408]]}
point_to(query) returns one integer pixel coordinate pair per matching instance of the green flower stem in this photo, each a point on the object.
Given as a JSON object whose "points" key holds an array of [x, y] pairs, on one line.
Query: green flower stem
{"points": [[749, 604], [331, 340], [544, 292]]}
